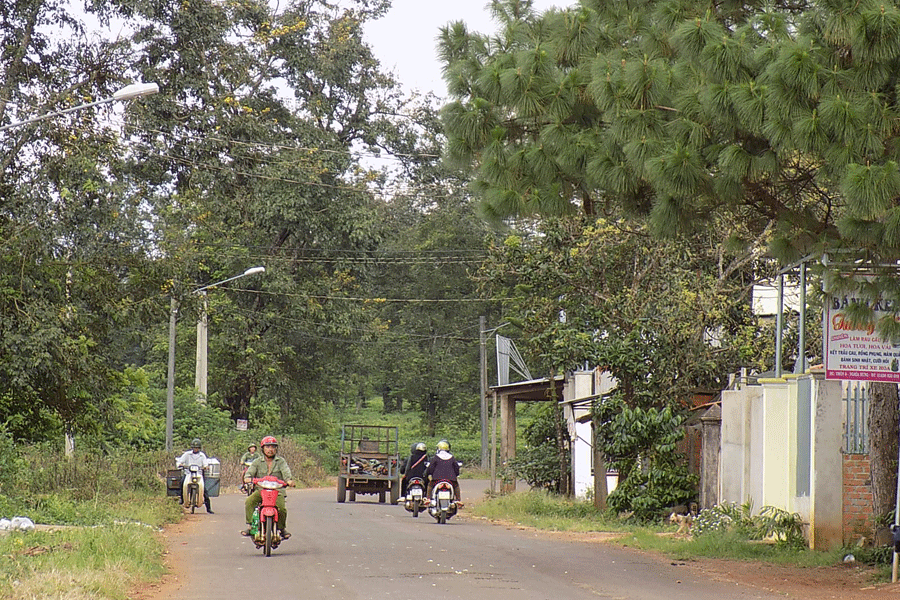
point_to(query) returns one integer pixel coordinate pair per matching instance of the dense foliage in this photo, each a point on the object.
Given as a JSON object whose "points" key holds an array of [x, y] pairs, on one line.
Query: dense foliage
{"points": [[750, 129], [266, 145]]}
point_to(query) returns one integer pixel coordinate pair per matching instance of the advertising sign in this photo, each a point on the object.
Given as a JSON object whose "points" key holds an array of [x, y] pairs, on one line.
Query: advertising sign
{"points": [[857, 352]]}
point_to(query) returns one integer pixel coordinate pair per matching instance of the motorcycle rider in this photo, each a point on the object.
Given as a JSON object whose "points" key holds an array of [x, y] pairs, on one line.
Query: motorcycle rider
{"points": [[247, 459], [194, 456], [414, 466], [250, 455], [269, 464], [443, 467]]}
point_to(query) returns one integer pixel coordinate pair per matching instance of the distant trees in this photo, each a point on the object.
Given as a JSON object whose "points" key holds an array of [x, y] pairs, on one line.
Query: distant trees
{"points": [[259, 149]]}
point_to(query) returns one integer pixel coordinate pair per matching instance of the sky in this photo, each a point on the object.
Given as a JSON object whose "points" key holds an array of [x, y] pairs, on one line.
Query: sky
{"points": [[405, 39]]}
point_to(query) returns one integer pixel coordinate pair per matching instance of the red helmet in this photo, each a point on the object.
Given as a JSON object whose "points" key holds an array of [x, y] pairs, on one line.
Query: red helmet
{"points": [[269, 441]]}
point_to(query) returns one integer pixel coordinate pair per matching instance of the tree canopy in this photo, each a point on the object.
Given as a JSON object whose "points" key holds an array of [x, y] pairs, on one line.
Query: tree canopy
{"points": [[261, 148]]}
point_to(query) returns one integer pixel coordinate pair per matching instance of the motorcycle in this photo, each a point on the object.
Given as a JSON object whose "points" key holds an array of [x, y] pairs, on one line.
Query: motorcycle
{"points": [[246, 488], [192, 487], [263, 528], [415, 496], [443, 501]]}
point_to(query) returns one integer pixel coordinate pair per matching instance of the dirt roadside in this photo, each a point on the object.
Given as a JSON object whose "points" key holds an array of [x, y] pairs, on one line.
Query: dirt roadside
{"points": [[800, 583]]}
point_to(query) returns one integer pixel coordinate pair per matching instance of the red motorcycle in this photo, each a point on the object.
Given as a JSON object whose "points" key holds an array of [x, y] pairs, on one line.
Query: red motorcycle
{"points": [[263, 528]]}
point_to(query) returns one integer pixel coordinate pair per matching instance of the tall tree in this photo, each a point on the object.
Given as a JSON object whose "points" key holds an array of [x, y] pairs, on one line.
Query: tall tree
{"points": [[67, 233], [779, 118], [250, 157], [428, 350]]}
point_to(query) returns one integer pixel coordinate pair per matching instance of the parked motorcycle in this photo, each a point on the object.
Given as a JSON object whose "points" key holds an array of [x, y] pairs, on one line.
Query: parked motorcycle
{"points": [[263, 528], [415, 496], [443, 501], [193, 487]]}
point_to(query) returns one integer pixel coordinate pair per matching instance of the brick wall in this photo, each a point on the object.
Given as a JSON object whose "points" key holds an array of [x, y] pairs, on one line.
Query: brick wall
{"points": [[857, 498]]}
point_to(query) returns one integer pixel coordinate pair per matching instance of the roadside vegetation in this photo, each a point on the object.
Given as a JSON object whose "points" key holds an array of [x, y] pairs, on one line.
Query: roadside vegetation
{"points": [[105, 508], [730, 532]]}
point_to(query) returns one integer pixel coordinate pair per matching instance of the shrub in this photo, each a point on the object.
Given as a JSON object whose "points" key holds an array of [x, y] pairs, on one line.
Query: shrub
{"points": [[12, 466], [732, 518]]}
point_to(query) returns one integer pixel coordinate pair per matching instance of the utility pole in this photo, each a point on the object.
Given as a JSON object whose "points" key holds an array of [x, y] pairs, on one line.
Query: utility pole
{"points": [[202, 369], [482, 355], [170, 380]]}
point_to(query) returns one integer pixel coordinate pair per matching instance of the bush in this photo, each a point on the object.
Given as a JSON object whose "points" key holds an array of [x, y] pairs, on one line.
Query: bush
{"points": [[12, 466]]}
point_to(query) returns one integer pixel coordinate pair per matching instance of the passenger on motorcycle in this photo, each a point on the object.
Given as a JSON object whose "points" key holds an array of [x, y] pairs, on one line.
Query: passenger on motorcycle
{"points": [[269, 464], [443, 467], [194, 456], [414, 466]]}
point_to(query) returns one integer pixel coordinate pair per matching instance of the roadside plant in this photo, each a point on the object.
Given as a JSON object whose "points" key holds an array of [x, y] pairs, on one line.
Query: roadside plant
{"points": [[770, 523], [12, 466]]}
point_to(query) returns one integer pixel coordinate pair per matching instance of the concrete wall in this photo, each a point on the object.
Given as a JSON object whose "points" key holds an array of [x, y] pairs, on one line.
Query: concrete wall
{"points": [[734, 464], [781, 447]]}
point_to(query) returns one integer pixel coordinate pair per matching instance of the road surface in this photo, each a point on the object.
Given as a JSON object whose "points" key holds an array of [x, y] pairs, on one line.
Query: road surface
{"points": [[367, 550]]}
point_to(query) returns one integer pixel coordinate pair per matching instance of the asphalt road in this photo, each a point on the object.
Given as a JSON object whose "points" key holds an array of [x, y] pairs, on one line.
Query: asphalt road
{"points": [[367, 550]]}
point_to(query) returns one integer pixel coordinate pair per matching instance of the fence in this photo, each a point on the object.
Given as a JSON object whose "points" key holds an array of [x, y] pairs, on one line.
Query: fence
{"points": [[856, 415]]}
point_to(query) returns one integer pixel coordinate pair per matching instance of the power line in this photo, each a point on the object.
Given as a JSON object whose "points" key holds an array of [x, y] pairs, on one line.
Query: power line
{"points": [[375, 300]]}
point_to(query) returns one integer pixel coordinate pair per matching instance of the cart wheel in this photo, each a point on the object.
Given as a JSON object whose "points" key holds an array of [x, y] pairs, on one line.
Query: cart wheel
{"points": [[352, 495], [342, 489], [395, 492], [382, 496], [270, 533]]}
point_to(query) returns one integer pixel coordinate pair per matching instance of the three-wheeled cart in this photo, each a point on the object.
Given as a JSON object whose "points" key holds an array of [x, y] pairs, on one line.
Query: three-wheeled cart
{"points": [[369, 462]]}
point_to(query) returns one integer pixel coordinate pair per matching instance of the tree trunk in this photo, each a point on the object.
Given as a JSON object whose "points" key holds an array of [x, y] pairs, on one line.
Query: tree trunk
{"points": [[884, 429]]}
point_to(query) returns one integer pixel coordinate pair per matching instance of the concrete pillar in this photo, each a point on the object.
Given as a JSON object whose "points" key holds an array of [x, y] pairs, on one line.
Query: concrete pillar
{"points": [[826, 500], [734, 466], [711, 440]]}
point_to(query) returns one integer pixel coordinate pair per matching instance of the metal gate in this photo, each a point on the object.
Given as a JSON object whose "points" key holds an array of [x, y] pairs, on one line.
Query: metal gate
{"points": [[856, 417]]}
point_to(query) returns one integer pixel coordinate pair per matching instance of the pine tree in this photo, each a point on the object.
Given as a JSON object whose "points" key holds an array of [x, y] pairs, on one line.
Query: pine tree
{"points": [[774, 121]]}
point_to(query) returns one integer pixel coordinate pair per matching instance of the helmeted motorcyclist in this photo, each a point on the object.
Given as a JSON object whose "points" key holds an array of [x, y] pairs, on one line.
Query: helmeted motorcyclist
{"points": [[414, 466], [443, 467], [249, 456], [247, 459], [269, 464], [194, 456]]}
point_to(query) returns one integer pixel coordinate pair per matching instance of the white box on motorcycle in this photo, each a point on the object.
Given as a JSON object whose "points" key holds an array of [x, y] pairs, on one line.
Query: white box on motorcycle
{"points": [[213, 467]]}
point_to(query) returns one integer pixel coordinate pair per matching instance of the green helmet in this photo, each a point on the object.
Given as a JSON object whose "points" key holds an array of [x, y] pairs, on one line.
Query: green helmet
{"points": [[195, 443], [443, 445]]}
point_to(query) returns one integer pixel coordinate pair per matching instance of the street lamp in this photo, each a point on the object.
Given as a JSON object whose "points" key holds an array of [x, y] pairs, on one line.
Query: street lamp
{"points": [[200, 373], [135, 90], [199, 380]]}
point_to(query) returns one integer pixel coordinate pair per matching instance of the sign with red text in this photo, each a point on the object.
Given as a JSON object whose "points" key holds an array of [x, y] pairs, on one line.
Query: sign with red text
{"points": [[856, 352]]}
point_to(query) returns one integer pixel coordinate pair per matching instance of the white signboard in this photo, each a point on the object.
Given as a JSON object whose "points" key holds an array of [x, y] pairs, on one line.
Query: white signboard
{"points": [[241, 424], [857, 352]]}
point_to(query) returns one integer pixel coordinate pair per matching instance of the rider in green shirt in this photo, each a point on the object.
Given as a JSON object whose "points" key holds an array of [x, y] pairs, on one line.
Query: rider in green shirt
{"points": [[269, 464], [250, 455]]}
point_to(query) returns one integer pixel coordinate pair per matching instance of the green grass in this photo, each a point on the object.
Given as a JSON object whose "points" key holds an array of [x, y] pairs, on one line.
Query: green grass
{"points": [[114, 547], [546, 511], [553, 513]]}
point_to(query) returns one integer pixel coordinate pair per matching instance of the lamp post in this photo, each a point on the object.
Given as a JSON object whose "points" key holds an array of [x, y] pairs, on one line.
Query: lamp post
{"points": [[135, 90], [200, 375], [128, 92]]}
